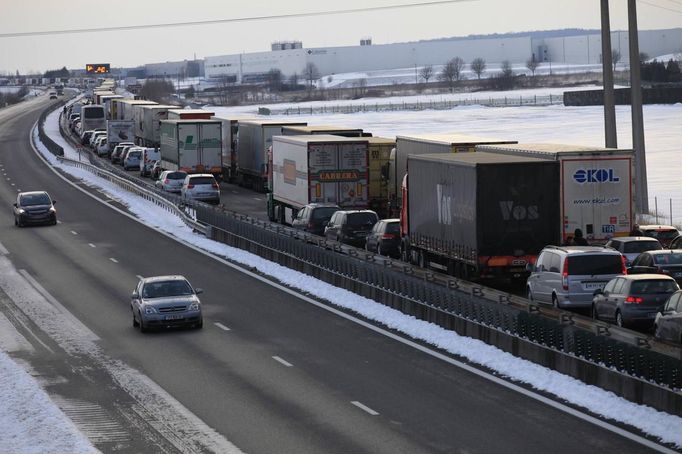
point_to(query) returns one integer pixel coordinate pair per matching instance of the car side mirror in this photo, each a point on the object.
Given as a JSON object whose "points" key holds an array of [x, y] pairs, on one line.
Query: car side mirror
{"points": [[198, 291], [14, 204], [54, 202], [135, 295], [530, 267]]}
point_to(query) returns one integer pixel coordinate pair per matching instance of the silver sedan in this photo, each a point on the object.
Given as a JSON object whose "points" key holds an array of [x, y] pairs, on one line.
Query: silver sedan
{"points": [[165, 301]]}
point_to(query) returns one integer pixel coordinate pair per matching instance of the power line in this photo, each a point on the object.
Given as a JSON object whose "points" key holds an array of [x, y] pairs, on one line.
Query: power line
{"points": [[661, 7], [233, 20]]}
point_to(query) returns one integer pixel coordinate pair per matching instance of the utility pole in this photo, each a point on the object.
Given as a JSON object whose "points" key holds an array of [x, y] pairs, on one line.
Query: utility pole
{"points": [[607, 72], [641, 189]]}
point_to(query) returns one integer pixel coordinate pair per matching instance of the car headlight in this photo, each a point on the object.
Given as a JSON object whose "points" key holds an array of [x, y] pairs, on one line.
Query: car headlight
{"points": [[194, 306], [52, 210], [150, 310], [21, 211]]}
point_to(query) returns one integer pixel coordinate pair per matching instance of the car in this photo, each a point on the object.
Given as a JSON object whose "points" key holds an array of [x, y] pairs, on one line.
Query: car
{"points": [[171, 180], [663, 233], [72, 118], [96, 135], [149, 156], [676, 242], [666, 261], [53, 95], [200, 186], [632, 246], [313, 217], [101, 146], [633, 299], [156, 170], [384, 239], [132, 158], [165, 301], [351, 226], [668, 322], [76, 126], [85, 136], [118, 155], [34, 207], [567, 276]]}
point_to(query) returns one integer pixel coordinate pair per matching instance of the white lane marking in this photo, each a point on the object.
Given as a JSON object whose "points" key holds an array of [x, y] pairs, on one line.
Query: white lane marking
{"points": [[257, 198], [113, 259], [139, 276], [511, 386], [12, 184], [59, 222], [221, 326], [3, 249], [235, 192], [73, 232], [91, 245], [364, 408], [281, 361]]}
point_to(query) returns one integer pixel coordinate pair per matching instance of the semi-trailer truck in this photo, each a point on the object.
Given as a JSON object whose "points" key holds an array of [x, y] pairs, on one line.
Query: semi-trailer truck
{"points": [[193, 146]]}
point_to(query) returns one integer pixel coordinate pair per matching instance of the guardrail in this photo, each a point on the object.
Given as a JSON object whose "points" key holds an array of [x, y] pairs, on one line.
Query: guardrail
{"points": [[50, 144], [629, 364]]}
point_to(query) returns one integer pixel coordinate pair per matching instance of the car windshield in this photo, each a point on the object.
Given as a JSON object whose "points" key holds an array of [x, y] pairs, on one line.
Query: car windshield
{"points": [[34, 199], [654, 286], [668, 259], [176, 176], [641, 246], [163, 289], [361, 219], [202, 180], [324, 212], [590, 264]]}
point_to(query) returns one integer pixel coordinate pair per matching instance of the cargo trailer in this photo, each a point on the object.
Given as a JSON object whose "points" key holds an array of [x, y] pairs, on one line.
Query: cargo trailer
{"points": [[189, 114], [322, 129], [148, 129], [596, 187], [230, 131], [478, 215], [193, 146]]}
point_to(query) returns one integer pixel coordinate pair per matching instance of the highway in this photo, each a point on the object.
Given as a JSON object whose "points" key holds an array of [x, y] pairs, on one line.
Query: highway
{"points": [[269, 372]]}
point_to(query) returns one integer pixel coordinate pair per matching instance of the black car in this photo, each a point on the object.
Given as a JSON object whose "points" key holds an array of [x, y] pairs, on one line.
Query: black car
{"points": [[666, 261], [676, 243], [34, 207], [351, 227], [668, 324], [313, 217], [384, 239]]}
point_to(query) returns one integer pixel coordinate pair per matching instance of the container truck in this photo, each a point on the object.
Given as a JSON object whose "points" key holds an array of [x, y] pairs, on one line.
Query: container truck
{"points": [[322, 129], [230, 130], [193, 146], [148, 129], [317, 168], [379, 156], [124, 107], [255, 138], [119, 131], [423, 144], [478, 215], [189, 114], [596, 187], [106, 102]]}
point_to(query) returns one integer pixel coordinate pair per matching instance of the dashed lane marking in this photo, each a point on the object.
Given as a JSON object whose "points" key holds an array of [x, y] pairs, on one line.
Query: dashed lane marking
{"points": [[73, 232], [113, 259], [364, 408], [221, 326], [91, 245], [281, 361]]}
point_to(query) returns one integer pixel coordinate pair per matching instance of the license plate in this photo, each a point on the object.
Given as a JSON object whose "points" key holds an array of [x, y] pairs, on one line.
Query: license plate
{"points": [[593, 285], [174, 317]]}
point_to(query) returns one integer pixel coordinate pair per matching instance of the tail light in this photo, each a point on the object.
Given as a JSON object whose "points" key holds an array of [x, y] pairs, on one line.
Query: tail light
{"points": [[215, 185], [190, 186], [564, 275], [387, 236], [624, 262], [633, 299], [165, 181], [310, 225]]}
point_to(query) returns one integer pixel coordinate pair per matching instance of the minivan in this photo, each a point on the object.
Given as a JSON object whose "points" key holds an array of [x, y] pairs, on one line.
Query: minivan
{"points": [[567, 276], [351, 227]]}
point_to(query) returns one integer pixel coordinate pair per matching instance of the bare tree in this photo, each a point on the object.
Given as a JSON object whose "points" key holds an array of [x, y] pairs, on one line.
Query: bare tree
{"points": [[452, 72], [311, 74], [478, 67], [615, 56], [532, 64], [275, 79], [426, 73], [293, 81]]}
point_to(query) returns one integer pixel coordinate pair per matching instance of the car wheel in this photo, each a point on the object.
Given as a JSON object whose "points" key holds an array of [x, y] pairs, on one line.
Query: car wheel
{"points": [[200, 324], [594, 314], [143, 326], [135, 322], [529, 295], [379, 249], [15, 221], [555, 302], [619, 320]]}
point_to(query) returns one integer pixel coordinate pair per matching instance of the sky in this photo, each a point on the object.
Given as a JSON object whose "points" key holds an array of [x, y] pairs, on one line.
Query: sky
{"points": [[23, 419], [136, 47]]}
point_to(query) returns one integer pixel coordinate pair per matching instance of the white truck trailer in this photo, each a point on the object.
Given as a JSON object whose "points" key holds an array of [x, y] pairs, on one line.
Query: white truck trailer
{"points": [[193, 146]]}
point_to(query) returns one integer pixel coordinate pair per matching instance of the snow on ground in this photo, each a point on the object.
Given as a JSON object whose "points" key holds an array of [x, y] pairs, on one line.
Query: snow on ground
{"points": [[553, 124], [658, 424]]}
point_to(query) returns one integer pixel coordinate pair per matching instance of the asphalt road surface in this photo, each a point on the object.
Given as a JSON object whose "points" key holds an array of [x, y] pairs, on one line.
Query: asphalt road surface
{"points": [[268, 373]]}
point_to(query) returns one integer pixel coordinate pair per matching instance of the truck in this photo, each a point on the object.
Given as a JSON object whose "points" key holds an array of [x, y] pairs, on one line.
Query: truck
{"points": [[417, 144], [193, 146], [478, 215], [255, 138], [379, 156], [317, 168], [148, 128], [230, 127], [322, 129], [119, 131], [123, 108], [105, 100], [189, 114], [596, 187], [100, 94]]}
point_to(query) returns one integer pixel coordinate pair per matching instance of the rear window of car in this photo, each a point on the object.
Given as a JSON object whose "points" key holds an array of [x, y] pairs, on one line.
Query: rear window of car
{"points": [[641, 246], [324, 212], [664, 234], [653, 286], [166, 288], [591, 264], [668, 259], [134, 154], [202, 180], [393, 227], [361, 219], [176, 176]]}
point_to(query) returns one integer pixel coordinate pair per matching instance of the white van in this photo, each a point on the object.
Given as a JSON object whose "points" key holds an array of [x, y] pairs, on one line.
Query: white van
{"points": [[149, 155]]}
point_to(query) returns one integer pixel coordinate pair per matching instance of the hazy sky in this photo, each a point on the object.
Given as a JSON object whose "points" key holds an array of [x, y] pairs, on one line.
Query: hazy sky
{"points": [[130, 48]]}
